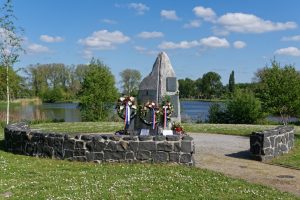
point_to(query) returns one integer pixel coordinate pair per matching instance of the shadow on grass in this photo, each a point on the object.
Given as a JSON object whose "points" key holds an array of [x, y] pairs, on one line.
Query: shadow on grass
{"points": [[2, 145], [241, 155]]}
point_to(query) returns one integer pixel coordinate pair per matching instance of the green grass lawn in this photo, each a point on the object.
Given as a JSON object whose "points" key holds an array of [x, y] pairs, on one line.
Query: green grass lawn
{"points": [[23, 177], [98, 127]]}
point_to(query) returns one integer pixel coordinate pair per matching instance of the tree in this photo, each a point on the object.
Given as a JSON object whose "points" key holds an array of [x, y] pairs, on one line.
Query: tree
{"points": [[231, 83], [187, 88], [279, 90], [211, 85], [98, 92], [10, 43], [130, 80], [242, 108]]}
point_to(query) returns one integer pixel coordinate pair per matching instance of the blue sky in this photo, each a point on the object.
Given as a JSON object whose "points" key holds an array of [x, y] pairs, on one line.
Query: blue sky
{"points": [[198, 36]]}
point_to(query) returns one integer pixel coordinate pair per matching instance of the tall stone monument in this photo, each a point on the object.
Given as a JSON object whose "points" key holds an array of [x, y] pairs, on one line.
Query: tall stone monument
{"points": [[159, 83]]}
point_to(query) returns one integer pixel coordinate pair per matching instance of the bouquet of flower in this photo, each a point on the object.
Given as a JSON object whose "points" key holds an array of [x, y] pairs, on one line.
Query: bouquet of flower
{"points": [[178, 128]]}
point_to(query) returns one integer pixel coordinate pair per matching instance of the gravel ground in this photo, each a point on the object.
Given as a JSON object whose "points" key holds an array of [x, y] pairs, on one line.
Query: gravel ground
{"points": [[230, 155]]}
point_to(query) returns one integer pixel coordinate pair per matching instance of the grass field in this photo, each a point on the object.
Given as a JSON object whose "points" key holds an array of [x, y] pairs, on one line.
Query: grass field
{"points": [[23, 177], [94, 127]]}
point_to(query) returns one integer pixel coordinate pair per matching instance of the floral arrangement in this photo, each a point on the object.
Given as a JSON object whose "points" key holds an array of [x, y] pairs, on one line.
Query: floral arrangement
{"points": [[121, 106], [178, 128], [148, 107], [169, 108]]}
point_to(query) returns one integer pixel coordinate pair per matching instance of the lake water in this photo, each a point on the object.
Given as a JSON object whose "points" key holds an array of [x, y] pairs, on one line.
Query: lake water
{"points": [[69, 112]]}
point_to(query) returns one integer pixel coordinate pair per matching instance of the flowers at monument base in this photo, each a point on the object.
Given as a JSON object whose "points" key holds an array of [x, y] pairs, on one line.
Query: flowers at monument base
{"points": [[177, 128], [126, 109], [154, 109]]}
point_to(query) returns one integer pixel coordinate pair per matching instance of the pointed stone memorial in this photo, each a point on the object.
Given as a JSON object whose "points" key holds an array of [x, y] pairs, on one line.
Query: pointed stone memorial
{"points": [[161, 82]]}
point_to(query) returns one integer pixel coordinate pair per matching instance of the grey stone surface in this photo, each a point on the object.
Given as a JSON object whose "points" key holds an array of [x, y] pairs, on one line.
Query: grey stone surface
{"points": [[268, 144], [160, 156], [164, 146], [174, 157], [147, 146], [185, 158], [186, 146], [160, 82], [98, 148]]}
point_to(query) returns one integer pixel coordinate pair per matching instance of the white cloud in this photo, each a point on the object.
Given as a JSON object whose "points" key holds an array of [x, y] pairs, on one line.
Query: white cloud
{"points": [[239, 44], [149, 35], [144, 50], [291, 38], [87, 54], [109, 21], [51, 39], [169, 14], [37, 48], [211, 42], [104, 39], [180, 45], [192, 24], [248, 23], [206, 13], [139, 8], [214, 42], [289, 51]]}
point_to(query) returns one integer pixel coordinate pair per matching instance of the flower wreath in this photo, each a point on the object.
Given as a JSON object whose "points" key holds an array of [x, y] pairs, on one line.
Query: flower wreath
{"points": [[121, 106], [167, 110], [150, 106]]}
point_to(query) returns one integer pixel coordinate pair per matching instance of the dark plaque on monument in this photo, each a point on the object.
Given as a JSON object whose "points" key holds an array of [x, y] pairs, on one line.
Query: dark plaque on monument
{"points": [[171, 84]]}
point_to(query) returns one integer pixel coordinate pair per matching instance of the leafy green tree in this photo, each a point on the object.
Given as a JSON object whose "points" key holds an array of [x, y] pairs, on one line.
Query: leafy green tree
{"points": [[130, 80], [279, 90], [231, 83], [98, 92], [10, 43], [211, 85], [242, 108], [187, 88]]}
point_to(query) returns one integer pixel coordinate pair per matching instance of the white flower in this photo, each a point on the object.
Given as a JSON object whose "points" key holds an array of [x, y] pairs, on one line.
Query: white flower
{"points": [[134, 106], [121, 107], [129, 103], [131, 98], [122, 98], [153, 104]]}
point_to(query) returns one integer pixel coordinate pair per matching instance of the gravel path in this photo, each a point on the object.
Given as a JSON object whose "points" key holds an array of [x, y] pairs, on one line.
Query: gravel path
{"points": [[230, 155]]}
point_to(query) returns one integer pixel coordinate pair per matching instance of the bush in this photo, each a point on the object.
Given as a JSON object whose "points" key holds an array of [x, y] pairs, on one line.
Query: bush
{"points": [[53, 95], [242, 108]]}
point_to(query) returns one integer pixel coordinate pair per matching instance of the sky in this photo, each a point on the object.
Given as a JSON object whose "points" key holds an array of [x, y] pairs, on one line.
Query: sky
{"points": [[198, 36]]}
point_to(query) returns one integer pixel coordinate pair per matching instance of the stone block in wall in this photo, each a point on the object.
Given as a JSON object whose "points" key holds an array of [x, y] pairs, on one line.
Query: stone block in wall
{"points": [[129, 156], [186, 146], [173, 137], [89, 156], [99, 146], [48, 151], [164, 146], [133, 146], [80, 158], [143, 155], [159, 138], [114, 155], [160, 156], [176, 147], [111, 146], [121, 146], [98, 156], [69, 144], [79, 144], [79, 152], [68, 153], [147, 146], [174, 157], [185, 158]]}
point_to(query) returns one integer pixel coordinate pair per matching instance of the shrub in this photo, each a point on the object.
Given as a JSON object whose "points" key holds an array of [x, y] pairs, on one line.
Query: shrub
{"points": [[242, 108]]}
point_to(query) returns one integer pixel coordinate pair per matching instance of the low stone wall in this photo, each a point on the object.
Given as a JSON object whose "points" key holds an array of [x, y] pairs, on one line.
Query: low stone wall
{"points": [[20, 139], [269, 144]]}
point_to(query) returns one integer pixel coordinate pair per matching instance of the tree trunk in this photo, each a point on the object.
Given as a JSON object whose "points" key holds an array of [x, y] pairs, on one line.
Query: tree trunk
{"points": [[7, 94]]}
